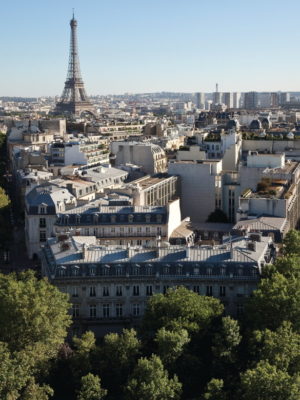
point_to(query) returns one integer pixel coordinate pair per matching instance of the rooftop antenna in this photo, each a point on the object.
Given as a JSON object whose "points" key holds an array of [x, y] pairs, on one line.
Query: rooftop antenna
{"points": [[217, 87], [73, 12]]}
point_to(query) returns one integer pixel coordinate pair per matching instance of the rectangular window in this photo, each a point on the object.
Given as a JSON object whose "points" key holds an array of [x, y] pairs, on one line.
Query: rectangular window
{"points": [[105, 291], [42, 222], [119, 291], [43, 236], [119, 310], [92, 291], [149, 290], [136, 309], [196, 289], [75, 310], [240, 309], [209, 290], [136, 291], [74, 291], [222, 291], [93, 311], [105, 309]]}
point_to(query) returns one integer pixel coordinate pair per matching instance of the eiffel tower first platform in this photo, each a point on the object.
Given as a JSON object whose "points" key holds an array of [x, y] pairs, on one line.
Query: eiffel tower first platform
{"points": [[74, 99]]}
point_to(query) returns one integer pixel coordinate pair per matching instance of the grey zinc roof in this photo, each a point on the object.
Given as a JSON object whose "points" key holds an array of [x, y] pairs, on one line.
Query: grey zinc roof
{"points": [[93, 253], [262, 223]]}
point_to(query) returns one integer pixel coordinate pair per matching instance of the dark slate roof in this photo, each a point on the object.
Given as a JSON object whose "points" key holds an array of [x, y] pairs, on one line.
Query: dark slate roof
{"points": [[112, 215], [48, 195]]}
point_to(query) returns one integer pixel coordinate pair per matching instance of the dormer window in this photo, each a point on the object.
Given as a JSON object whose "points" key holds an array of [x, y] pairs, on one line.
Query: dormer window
{"points": [[166, 270], [130, 218], [62, 271], [149, 269], [136, 269], [209, 271], [92, 271], [159, 218], [77, 218], [43, 209], [75, 270], [148, 218], [179, 270], [113, 219]]}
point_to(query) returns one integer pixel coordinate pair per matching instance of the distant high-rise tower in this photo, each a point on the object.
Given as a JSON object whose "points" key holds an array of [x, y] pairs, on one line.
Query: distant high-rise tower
{"points": [[250, 100], [74, 99], [228, 99], [217, 96], [200, 100]]}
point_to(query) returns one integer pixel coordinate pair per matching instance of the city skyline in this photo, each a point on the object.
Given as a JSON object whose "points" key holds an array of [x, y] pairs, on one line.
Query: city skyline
{"points": [[151, 47]]}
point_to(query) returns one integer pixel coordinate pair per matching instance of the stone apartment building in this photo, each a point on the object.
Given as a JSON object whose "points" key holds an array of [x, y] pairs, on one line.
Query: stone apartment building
{"points": [[155, 190], [109, 286], [121, 224], [149, 156]]}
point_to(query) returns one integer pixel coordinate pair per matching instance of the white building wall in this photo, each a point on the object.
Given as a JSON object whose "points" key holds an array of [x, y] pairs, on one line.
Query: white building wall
{"points": [[73, 155], [174, 217], [198, 188], [193, 154], [266, 160]]}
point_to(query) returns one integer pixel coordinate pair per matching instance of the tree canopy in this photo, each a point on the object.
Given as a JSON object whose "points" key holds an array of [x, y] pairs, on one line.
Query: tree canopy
{"points": [[150, 381]]}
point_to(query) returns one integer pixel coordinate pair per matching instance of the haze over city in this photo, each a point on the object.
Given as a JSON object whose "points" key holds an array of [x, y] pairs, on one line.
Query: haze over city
{"points": [[138, 46]]}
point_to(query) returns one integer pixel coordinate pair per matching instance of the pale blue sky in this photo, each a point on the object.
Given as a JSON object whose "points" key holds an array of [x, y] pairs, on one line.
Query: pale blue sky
{"points": [[151, 45]]}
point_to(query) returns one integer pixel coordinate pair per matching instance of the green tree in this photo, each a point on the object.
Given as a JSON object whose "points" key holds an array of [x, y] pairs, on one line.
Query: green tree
{"points": [[214, 390], [81, 359], [122, 349], [180, 308], [33, 391], [150, 381], [280, 348], [170, 344], [15, 370], [33, 323], [277, 299], [266, 382], [118, 353], [32, 312], [287, 266], [291, 243], [91, 388], [86, 343], [227, 339], [4, 199]]}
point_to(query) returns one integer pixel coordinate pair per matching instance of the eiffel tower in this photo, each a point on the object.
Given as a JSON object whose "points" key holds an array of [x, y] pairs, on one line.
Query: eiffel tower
{"points": [[74, 99]]}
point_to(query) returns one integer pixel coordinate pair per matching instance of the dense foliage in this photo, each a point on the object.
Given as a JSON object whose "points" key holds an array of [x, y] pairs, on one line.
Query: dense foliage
{"points": [[184, 349]]}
